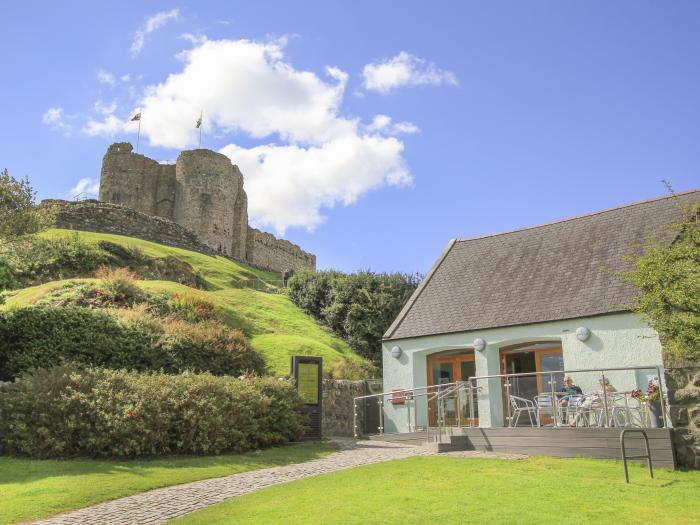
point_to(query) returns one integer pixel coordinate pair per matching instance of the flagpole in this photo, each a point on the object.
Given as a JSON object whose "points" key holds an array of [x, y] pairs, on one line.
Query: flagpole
{"points": [[200, 130], [138, 136]]}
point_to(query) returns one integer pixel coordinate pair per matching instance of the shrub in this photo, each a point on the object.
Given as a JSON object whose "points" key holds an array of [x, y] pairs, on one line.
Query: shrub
{"points": [[36, 260], [192, 307], [118, 284], [67, 412], [43, 337], [354, 369]]}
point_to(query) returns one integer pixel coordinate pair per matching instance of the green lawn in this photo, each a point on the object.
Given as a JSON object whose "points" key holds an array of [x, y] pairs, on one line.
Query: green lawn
{"points": [[274, 325], [444, 490], [31, 489]]}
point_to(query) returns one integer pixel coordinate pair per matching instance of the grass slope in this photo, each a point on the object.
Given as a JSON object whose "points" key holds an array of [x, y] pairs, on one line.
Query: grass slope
{"points": [[274, 325], [457, 490], [38, 488]]}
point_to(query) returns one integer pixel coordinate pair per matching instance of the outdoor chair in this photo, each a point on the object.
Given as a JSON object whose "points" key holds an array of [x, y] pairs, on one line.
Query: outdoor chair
{"points": [[520, 405], [621, 413], [546, 407], [569, 407], [585, 415]]}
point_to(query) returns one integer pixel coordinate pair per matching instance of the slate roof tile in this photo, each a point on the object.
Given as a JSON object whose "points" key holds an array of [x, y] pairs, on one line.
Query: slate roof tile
{"points": [[555, 271]]}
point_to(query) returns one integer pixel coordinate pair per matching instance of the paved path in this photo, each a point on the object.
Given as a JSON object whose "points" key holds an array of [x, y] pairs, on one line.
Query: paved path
{"points": [[161, 505]]}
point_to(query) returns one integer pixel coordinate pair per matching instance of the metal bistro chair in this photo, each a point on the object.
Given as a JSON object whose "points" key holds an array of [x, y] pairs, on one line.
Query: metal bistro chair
{"points": [[518, 405], [569, 407], [584, 412], [621, 413], [546, 406]]}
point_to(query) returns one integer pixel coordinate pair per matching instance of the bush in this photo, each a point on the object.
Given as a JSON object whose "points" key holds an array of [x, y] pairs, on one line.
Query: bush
{"points": [[192, 307], [67, 412], [36, 260], [43, 337], [358, 307], [119, 284]]}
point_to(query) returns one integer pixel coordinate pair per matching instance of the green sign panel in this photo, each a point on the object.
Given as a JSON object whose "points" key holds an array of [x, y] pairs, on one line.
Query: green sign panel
{"points": [[307, 382]]}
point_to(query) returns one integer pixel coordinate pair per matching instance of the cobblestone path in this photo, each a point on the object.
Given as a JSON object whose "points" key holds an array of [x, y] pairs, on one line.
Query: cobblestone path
{"points": [[161, 505]]}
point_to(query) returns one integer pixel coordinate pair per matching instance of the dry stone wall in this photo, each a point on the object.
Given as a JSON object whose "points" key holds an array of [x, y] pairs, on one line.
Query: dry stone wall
{"points": [[683, 384], [338, 406], [203, 192]]}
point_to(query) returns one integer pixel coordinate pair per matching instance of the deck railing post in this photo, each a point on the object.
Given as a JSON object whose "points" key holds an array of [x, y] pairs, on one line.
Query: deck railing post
{"points": [[471, 403], [380, 404], [354, 418], [555, 407], [662, 399], [605, 398], [510, 416], [408, 412]]}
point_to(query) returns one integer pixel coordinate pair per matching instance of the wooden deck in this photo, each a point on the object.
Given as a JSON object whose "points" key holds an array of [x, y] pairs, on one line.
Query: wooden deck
{"points": [[601, 443]]}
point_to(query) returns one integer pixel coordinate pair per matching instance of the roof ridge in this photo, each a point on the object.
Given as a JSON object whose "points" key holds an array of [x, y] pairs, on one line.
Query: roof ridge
{"points": [[575, 217]]}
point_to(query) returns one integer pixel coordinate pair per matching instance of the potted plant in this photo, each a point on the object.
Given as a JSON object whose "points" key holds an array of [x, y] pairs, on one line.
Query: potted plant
{"points": [[651, 398]]}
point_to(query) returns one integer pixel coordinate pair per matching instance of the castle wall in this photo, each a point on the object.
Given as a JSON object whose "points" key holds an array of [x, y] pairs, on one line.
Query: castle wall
{"points": [[240, 225], [206, 189], [202, 192], [136, 181], [266, 251], [102, 217]]}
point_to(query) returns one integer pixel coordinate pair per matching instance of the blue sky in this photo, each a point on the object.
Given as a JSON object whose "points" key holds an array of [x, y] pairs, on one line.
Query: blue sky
{"points": [[435, 120]]}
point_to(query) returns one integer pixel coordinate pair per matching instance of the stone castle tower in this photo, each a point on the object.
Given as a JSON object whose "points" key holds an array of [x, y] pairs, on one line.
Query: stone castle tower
{"points": [[203, 191]]}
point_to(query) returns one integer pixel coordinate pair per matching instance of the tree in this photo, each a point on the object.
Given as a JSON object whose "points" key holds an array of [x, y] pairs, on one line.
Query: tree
{"points": [[358, 307], [669, 281], [19, 214]]}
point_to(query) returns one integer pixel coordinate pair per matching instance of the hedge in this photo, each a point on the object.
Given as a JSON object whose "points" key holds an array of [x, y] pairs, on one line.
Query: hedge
{"points": [[42, 337], [69, 412]]}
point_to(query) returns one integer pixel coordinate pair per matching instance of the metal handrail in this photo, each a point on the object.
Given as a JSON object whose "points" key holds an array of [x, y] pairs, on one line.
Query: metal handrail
{"points": [[440, 392], [602, 371]]}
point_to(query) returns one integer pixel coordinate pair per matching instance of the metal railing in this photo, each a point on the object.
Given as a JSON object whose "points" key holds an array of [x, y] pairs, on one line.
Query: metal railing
{"points": [[440, 394]]}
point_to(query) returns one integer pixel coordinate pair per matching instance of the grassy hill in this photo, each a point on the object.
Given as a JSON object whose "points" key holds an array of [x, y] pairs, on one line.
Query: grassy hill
{"points": [[272, 323]]}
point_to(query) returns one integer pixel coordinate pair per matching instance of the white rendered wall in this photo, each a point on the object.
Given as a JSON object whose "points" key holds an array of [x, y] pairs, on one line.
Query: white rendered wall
{"points": [[617, 340]]}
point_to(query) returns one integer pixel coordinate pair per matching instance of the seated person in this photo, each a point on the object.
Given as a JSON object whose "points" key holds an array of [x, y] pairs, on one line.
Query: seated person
{"points": [[570, 389]]}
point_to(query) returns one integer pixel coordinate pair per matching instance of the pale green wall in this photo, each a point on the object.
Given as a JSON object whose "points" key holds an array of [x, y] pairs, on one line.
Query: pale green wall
{"points": [[616, 340]]}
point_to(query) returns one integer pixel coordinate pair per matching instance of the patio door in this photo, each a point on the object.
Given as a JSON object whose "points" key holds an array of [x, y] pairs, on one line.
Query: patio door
{"points": [[532, 358], [448, 367]]}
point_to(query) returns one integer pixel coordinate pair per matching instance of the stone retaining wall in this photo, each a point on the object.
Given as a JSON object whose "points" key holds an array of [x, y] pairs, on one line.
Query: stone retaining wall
{"points": [[683, 384], [337, 406]]}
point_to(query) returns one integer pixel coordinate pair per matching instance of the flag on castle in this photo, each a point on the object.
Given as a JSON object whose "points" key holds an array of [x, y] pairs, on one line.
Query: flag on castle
{"points": [[136, 117], [199, 121]]}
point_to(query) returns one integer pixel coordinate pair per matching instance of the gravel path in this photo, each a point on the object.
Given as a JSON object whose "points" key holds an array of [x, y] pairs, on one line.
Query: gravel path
{"points": [[161, 505]]}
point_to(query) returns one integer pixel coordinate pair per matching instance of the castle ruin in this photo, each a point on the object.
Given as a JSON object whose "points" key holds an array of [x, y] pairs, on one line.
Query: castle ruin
{"points": [[203, 192]]}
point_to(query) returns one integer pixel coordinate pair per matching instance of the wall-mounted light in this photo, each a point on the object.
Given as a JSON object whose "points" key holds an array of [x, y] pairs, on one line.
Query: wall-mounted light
{"points": [[396, 352], [479, 344], [582, 333]]}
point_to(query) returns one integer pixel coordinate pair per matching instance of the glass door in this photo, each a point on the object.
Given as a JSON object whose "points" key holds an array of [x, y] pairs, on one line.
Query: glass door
{"points": [[532, 358], [445, 368]]}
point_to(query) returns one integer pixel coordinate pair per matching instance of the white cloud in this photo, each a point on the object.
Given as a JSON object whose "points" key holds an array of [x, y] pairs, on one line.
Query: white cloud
{"points": [[108, 127], [289, 185], [152, 23], [103, 108], [404, 69], [104, 77], [195, 39], [320, 158], [85, 188], [384, 124], [55, 118]]}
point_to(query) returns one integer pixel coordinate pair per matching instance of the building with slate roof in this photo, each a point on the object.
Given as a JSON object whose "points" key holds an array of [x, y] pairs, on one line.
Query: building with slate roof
{"points": [[537, 301]]}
